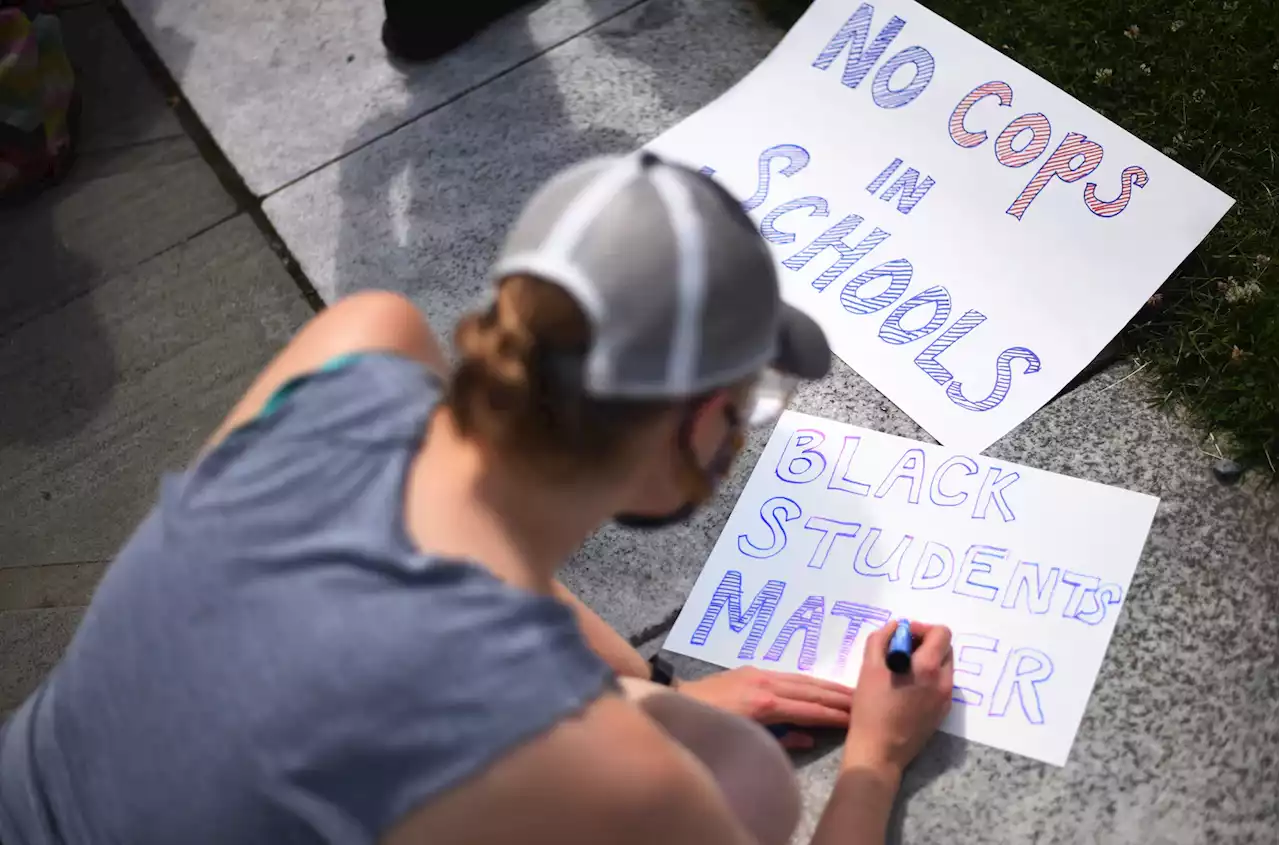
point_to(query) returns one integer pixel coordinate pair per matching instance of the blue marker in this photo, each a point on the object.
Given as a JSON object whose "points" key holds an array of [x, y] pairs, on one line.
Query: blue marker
{"points": [[898, 657]]}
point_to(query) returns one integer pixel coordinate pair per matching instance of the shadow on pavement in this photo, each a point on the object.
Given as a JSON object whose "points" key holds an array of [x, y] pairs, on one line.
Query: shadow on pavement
{"points": [[56, 366]]}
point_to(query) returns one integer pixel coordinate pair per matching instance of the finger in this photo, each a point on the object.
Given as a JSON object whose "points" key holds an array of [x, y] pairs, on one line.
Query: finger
{"points": [[934, 645], [809, 680], [947, 675], [878, 640], [920, 630], [837, 699], [807, 713], [947, 671], [797, 741]]}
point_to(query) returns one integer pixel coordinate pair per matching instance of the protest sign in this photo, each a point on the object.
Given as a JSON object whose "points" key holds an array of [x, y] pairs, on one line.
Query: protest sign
{"points": [[968, 235], [841, 529]]}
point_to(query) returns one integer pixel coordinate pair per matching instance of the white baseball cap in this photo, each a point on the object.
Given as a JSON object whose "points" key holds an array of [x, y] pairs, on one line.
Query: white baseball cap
{"points": [[677, 284]]}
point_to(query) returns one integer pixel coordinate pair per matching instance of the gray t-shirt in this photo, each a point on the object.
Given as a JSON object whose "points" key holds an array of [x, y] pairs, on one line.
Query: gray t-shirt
{"points": [[270, 660]]}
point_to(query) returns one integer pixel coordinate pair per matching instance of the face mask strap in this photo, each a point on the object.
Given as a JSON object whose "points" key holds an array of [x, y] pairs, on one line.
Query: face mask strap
{"points": [[702, 479]]}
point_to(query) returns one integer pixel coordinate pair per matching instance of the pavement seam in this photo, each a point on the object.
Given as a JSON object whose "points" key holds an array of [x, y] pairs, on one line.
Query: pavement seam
{"points": [[8, 330], [52, 563], [654, 631], [230, 179], [128, 145], [453, 99], [204, 230]]}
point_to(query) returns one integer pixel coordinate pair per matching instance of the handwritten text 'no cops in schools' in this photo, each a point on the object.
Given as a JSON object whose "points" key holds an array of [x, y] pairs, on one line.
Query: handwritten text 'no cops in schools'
{"points": [[1023, 140]]}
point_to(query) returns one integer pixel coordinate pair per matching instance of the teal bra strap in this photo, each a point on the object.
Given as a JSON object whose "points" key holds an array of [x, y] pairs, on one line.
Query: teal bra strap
{"points": [[283, 391]]}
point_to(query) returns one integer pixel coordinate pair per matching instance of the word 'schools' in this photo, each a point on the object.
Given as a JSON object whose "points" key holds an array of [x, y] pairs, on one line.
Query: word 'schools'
{"points": [[841, 529], [968, 235]]}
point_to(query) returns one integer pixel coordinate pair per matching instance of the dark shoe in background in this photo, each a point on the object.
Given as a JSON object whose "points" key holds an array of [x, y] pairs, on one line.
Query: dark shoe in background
{"points": [[421, 30]]}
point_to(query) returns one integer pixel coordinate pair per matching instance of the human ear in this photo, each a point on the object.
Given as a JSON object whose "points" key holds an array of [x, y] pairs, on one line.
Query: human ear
{"points": [[709, 425]]}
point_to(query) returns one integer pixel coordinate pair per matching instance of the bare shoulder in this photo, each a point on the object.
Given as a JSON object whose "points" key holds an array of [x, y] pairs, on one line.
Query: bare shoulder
{"points": [[364, 322], [608, 775]]}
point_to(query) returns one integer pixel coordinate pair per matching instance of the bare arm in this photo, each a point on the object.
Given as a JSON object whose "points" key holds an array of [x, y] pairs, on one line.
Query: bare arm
{"points": [[892, 717], [756, 694], [604, 641]]}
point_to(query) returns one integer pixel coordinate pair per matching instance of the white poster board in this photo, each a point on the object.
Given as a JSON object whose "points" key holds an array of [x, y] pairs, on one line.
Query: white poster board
{"points": [[968, 235], [841, 529]]}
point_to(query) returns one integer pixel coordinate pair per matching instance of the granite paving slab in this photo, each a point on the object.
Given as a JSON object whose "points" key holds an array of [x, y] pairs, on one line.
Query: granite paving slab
{"points": [[116, 208], [34, 640], [104, 394], [119, 103], [286, 87], [37, 587]]}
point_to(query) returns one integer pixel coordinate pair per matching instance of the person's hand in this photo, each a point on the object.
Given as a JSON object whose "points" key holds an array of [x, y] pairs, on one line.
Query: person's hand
{"points": [[772, 698], [893, 716]]}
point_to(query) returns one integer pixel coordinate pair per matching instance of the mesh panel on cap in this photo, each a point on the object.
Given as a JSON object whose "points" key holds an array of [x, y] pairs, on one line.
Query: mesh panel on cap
{"points": [[739, 326], [628, 253], [544, 210], [673, 312]]}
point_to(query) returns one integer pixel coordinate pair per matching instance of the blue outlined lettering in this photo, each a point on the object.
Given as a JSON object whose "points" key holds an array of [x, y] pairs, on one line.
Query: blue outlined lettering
{"points": [[853, 35], [1106, 595], [840, 479], [960, 133], [882, 90], [992, 493], [797, 159], [1024, 669], [1004, 379], [962, 645], [884, 176], [817, 208], [928, 359], [891, 330], [899, 272], [834, 238], [1005, 148], [807, 617], [936, 493], [1075, 599], [729, 594], [891, 566], [977, 561], [831, 529], [1132, 177], [1026, 578], [800, 461], [911, 194], [909, 467], [928, 577], [858, 615], [777, 531]]}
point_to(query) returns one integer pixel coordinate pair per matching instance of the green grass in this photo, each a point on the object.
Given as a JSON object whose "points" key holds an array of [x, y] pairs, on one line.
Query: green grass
{"points": [[1195, 79]]}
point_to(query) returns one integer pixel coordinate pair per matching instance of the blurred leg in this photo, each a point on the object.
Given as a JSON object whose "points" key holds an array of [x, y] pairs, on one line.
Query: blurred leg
{"points": [[753, 772]]}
